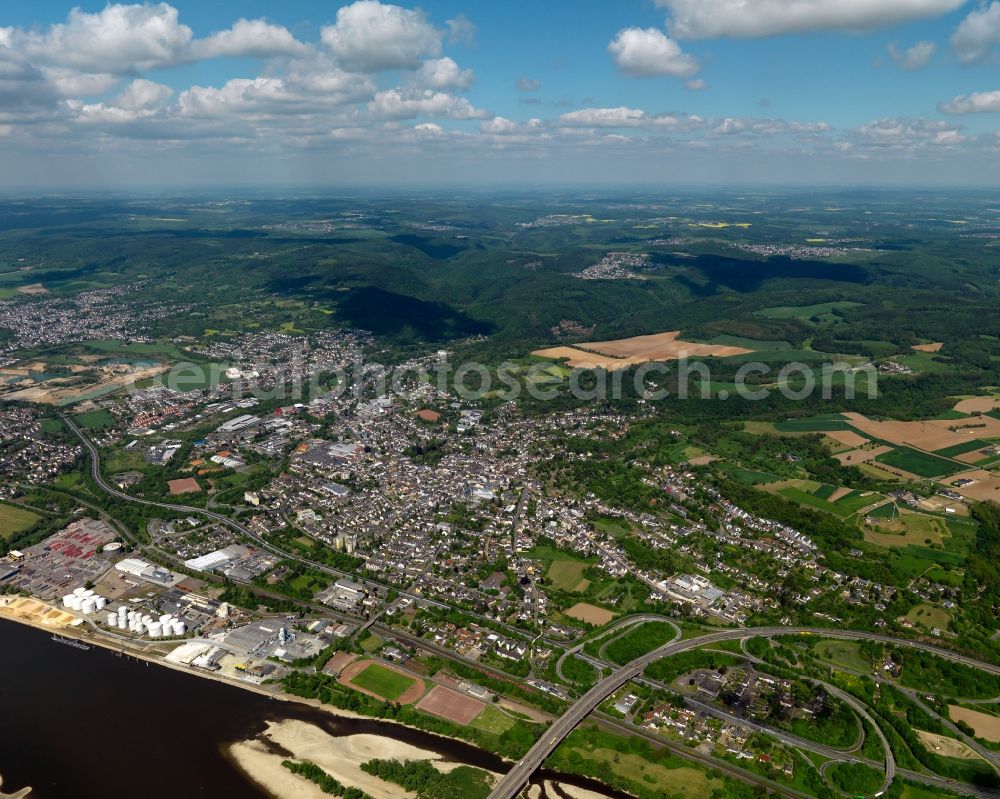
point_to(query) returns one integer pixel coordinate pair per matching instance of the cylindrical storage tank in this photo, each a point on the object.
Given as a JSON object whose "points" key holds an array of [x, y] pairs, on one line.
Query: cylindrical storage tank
{"points": [[101, 602], [68, 600], [123, 610], [88, 593], [178, 628], [164, 617], [88, 606], [112, 620], [155, 629], [79, 591], [75, 602]]}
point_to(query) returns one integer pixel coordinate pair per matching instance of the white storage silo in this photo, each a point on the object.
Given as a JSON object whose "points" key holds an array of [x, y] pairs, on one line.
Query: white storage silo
{"points": [[155, 630], [88, 606], [68, 600], [112, 620], [75, 602], [178, 628], [164, 618], [79, 591], [101, 602]]}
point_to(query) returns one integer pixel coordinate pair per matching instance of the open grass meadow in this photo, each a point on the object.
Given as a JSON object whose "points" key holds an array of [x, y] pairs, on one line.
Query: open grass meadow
{"points": [[567, 575], [492, 720], [14, 520], [94, 420], [846, 654], [908, 529]]}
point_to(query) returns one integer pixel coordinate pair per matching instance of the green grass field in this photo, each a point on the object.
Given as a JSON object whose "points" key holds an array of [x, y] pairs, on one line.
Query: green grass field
{"points": [[616, 528], [13, 520], [908, 529], [385, 682], [816, 495], [52, 426], [749, 476], [855, 501], [686, 781], [818, 424], [846, 654], [94, 420], [805, 312], [922, 464], [929, 616], [566, 575], [961, 449], [492, 720]]}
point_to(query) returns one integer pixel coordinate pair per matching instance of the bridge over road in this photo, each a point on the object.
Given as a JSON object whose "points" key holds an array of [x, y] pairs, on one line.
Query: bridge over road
{"points": [[511, 784]]}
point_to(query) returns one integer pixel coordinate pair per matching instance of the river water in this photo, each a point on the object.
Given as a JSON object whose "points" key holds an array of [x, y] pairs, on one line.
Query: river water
{"points": [[79, 724]]}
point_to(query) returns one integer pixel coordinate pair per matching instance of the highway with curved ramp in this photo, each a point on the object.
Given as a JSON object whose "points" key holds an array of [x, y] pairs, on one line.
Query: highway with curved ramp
{"points": [[511, 784], [517, 778]]}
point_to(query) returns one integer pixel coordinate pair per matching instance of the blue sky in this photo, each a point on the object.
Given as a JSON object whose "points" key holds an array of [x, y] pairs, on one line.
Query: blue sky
{"points": [[320, 93]]}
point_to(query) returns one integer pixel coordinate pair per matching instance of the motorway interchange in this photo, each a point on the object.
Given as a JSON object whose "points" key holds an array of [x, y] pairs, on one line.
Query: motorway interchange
{"points": [[517, 778]]}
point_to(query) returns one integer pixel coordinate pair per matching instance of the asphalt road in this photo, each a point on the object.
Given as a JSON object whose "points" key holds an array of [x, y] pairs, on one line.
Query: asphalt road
{"points": [[232, 524], [511, 784], [515, 779]]}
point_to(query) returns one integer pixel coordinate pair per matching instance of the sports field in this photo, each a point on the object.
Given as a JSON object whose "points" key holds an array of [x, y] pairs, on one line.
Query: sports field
{"points": [[382, 681], [13, 520], [452, 705]]}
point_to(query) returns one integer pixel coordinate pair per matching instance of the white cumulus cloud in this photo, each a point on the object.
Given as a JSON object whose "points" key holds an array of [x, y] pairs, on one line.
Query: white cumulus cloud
{"points": [[624, 117], [978, 33], [370, 36], [409, 104], [741, 19], [249, 37], [911, 58], [646, 52], [119, 38], [907, 134], [975, 103], [444, 73]]}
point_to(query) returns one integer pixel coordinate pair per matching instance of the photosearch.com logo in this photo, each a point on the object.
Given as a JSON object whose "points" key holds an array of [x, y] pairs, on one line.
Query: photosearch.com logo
{"points": [[543, 381]]}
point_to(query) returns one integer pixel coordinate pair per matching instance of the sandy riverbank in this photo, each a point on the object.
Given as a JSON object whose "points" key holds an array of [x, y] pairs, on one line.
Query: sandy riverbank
{"points": [[304, 741], [341, 757]]}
